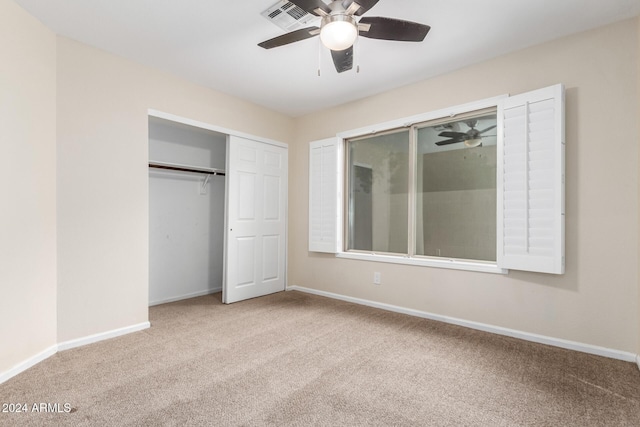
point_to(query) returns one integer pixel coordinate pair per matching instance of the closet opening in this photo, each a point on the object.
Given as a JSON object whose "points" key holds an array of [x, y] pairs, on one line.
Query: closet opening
{"points": [[187, 168]]}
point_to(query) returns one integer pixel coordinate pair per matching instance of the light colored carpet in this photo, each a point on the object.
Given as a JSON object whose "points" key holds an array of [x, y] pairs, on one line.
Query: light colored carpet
{"points": [[293, 359]]}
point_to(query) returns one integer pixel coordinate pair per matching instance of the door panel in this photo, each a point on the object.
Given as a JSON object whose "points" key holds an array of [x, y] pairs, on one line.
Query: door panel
{"points": [[270, 260], [245, 260], [256, 225], [246, 196], [271, 198]]}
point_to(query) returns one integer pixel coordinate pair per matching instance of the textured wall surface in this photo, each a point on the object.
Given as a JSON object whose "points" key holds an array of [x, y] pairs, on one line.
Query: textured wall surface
{"points": [[596, 301]]}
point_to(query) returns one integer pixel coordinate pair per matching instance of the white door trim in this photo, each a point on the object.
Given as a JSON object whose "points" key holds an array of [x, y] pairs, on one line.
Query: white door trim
{"points": [[208, 126]]}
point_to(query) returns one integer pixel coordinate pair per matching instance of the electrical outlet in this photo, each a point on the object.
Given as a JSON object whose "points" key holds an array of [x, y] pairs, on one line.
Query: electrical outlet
{"points": [[377, 278]]}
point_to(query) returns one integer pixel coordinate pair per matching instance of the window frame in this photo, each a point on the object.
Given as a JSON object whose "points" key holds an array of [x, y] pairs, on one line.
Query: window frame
{"points": [[530, 185], [408, 123], [346, 219]]}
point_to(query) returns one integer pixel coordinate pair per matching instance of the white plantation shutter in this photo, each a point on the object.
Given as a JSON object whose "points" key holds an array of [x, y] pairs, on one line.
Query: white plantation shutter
{"points": [[531, 182], [324, 195]]}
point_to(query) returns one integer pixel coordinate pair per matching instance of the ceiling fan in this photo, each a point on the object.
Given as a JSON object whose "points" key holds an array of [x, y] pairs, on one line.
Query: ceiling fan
{"points": [[471, 138], [339, 28]]}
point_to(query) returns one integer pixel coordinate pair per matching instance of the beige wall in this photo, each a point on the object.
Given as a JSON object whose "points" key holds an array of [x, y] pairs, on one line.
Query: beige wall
{"points": [[637, 124], [103, 217], [596, 301], [27, 186]]}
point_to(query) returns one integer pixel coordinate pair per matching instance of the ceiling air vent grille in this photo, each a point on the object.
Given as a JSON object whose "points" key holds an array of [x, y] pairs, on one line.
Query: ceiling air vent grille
{"points": [[296, 13], [288, 16]]}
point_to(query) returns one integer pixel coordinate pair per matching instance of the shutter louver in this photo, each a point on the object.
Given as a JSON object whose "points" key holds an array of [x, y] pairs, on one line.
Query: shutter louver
{"points": [[531, 229], [323, 195]]}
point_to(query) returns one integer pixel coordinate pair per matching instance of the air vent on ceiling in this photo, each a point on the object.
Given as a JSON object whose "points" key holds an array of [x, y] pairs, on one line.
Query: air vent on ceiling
{"points": [[288, 16]]}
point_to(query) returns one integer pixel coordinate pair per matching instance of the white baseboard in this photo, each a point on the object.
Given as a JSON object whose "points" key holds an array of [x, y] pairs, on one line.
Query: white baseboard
{"points": [[102, 336], [186, 296], [541, 339], [23, 366], [45, 354]]}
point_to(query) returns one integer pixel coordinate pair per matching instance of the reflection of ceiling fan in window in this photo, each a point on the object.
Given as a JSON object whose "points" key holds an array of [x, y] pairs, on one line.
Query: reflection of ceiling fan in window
{"points": [[471, 138]]}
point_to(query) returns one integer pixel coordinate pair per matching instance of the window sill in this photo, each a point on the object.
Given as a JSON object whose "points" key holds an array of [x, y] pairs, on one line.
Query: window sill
{"points": [[479, 266]]}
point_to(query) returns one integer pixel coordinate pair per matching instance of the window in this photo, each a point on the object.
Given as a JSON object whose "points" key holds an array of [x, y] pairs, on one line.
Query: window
{"points": [[378, 196], [453, 190], [476, 187]]}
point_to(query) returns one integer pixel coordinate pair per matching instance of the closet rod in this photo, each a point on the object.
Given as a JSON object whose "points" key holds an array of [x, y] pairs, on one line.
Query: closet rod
{"points": [[184, 168]]}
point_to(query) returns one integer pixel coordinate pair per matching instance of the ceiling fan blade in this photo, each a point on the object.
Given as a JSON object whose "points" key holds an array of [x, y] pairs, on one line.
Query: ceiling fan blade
{"points": [[453, 134], [394, 29], [365, 5], [294, 36], [311, 6], [489, 128], [449, 141], [343, 59]]}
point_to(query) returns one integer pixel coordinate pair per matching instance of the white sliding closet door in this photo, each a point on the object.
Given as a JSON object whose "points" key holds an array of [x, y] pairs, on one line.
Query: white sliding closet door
{"points": [[256, 225]]}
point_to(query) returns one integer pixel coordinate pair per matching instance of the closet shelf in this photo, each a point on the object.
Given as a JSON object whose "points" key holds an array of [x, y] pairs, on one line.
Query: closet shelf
{"points": [[186, 168]]}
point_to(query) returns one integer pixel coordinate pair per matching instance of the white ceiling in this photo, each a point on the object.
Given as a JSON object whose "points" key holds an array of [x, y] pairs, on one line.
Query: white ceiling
{"points": [[214, 42]]}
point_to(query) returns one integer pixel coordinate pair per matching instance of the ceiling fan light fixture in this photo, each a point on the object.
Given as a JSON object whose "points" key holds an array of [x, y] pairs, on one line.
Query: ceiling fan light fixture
{"points": [[338, 32], [474, 142]]}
